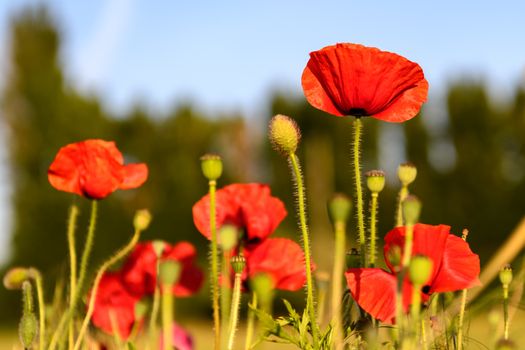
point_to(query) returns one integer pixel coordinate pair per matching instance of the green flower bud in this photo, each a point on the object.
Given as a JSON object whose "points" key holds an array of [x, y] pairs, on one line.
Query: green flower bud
{"points": [[420, 270], [407, 173], [263, 286], [142, 219], [169, 272], [141, 309], [158, 247], [339, 207], [228, 237], [411, 209], [505, 275], [375, 180], [284, 134], [28, 327], [15, 277], [238, 263], [353, 259], [394, 256], [211, 165]]}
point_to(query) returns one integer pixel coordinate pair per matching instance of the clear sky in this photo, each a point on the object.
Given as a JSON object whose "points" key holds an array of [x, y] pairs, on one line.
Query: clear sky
{"points": [[230, 54]]}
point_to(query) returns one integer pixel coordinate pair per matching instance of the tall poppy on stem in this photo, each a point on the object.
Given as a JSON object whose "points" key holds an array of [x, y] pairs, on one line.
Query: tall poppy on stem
{"points": [[454, 267]]}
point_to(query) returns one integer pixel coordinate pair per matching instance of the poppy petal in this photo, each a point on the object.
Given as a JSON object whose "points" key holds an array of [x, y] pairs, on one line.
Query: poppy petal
{"points": [[134, 176], [192, 277], [460, 267], [63, 173], [375, 291]]}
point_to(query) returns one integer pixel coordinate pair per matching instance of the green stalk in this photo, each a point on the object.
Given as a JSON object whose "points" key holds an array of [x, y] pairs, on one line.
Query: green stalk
{"points": [[225, 292], [506, 312], [373, 230], [358, 126], [461, 317], [37, 276], [337, 276], [409, 242], [234, 311], [214, 266], [167, 316], [105, 266], [403, 193], [250, 327], [154, 315], [71, 226], [301, 200]]}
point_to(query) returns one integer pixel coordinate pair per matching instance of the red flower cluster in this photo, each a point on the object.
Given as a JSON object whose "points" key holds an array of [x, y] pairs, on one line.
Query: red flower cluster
{"points": [[257, 214], [94, 169], [120, 291], [455, 267], [351, 79]]}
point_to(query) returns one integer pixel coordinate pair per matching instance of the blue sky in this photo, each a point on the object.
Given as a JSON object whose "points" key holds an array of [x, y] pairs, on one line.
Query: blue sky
{"points": [[228, 55]]}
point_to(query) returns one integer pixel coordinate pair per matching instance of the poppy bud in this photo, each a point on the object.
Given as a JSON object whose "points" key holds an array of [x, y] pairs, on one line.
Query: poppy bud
{"points": [[284, 134], [353, 259], [228, 237], [263, 286], [394, 256], [420, 269], [238, 263], [211, 165], [141, 308], [158, 247], [375, 180], [505, 275], [505, 344], [15, 277], [411, 210], [28, 327], [169, 272], [339, 207], [407, 173], [142, 219]]}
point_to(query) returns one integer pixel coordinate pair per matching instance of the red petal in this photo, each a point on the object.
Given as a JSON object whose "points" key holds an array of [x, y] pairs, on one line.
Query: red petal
{"points": [[459, 267], [282, 259], [134, 176], [63, 173], [191, 277], [139, 271], [375, 291], [346, 78], [225, 211]]}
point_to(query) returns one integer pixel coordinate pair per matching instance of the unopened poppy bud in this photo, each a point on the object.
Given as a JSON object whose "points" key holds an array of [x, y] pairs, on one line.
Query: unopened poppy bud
{"points": [[15, 277], [141, 308], [211, 165], [263, 286], [238, 263], [158, 247], [28, 327], [142, 220], [394, 256], [353, 259], [339, 207], [505, 275], [169, 272], [505, 344], [411, 210], [375, 180], [284, 134], [228, 237], [407, 173], [420, 269]]}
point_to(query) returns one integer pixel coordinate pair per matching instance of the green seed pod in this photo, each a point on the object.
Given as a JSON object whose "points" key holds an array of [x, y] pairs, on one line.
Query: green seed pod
{"points": [[28, 327], [407, 173], [15, 277], [142, 219], [339, 207], [238, 263], [411, 209], [505, 275], [141, 309], [375, 180], [284, 134], [420, 270], [158, 247], [263, 286], [211, 165], [169, 272], [228, 237], [353, 259]]}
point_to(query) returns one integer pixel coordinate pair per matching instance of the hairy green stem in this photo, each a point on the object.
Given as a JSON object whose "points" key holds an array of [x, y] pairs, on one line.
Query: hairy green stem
{"points": [[358, 130], [214, 266], [37, 276], [337, 286], [301, 201], [250, 327], [226, 287], [403, 193], [234, 311], [373, 230], [71, 226], [506, 312], [105, 266], [461, 317], [167, 316]]}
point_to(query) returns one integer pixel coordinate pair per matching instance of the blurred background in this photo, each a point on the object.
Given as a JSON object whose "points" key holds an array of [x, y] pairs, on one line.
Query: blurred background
{"points": [[171, 82]]}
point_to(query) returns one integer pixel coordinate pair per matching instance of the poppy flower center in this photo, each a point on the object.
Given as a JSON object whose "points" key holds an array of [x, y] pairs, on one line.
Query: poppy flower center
{"points": [[357, 112], [426, 289]]}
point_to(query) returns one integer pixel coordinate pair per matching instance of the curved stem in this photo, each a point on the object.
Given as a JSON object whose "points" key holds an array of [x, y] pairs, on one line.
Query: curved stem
{"points": [[234, 311], [337, 276], [373, 230], [106, 265], [461, 317], [41, 307], [301, 200], [358, 126], [154, 315], [71, 226], [250, 327], [167, 316], [403, 193], [214, 266]]}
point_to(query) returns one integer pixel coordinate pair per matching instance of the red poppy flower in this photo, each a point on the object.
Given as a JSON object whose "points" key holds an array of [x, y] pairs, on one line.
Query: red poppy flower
{"points": [[247, 206], [455, 267], [282, 259], [351, 79], [114, 306], [94, 169], [139, 272]]}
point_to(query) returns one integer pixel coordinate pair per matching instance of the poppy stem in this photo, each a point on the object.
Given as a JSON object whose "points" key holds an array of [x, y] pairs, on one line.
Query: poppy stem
{"points": [[234, 311], [37, 276], [463, 305], [403, 193], [337, 275], [103, 268], [167, 316], [301, 201], [250, 327], [214, 265], [225, 288], [71, 226], [154, 315], [358, 130], [505, 312], [373, 229]]}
